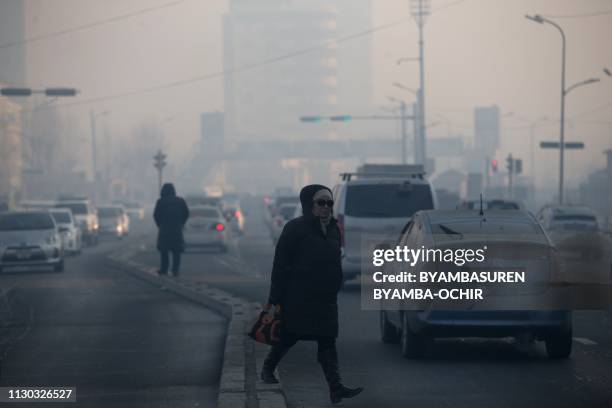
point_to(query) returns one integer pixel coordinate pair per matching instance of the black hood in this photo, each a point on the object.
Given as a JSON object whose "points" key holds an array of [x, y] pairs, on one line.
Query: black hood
{"points": [[168, 190], [306, 195]]}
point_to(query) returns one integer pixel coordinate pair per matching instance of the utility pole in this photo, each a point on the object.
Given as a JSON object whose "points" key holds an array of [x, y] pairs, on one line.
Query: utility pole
{"points": [[94, 149], [510, 168], [420, 9], [159, 164], [403, 129]]}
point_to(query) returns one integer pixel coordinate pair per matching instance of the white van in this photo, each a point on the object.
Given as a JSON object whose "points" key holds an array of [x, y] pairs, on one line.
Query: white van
{"points": [[378, 199]]}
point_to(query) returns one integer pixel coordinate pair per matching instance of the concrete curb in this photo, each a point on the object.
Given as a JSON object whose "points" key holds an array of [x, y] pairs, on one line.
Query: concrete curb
{"points": [[239, 385]]}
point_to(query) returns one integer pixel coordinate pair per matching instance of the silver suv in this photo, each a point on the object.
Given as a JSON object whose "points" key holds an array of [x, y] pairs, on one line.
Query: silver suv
{"points": [[377, 199]]}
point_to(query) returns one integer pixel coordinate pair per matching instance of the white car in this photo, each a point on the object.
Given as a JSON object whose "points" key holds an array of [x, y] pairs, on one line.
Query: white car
{"points": [[205, 228], [30, 239], [284, 213], [69, 231], [86, 217], [113, 221]]}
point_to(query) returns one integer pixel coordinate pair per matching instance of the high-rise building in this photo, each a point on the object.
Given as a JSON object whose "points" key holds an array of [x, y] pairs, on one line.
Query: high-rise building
{"points": [[266, 100], [486, 129], [12, 31], [212, 134]]}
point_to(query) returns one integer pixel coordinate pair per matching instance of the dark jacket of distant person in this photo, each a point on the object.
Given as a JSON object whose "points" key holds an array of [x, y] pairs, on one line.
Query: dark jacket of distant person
{"points": [[170, 214], [307, 272]]}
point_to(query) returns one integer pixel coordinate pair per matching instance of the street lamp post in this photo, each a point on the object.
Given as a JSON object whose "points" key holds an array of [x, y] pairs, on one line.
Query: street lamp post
{"points": [[539, 19], [94, 147], [402, 105]]}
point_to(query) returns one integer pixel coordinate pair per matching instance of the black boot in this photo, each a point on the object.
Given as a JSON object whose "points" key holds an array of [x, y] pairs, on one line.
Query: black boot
{"points": [[328, 359], [274, 356]]}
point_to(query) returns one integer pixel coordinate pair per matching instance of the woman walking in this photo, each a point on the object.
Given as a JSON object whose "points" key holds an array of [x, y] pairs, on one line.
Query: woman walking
{"points": [[306, 278], [170, 215]]}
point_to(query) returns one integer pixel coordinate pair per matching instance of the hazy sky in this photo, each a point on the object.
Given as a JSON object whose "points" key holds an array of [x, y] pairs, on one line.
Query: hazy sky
{"points": [[478, 52]]}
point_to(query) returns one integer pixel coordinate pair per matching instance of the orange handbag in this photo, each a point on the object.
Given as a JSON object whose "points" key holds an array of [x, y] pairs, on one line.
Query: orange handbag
{"points": [[267, 327]]}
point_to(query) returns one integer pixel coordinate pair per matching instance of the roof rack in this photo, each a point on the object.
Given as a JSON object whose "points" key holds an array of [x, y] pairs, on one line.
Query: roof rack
{"points": [[348, 176]]}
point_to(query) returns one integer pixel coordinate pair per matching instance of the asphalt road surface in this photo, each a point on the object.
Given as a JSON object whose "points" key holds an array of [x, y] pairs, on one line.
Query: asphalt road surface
{"points": [[119, 340], [455, 373]]}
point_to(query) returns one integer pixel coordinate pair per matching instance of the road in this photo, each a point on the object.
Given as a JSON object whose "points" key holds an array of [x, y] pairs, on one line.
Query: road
{"points": [[119, 340], [455, 373]]}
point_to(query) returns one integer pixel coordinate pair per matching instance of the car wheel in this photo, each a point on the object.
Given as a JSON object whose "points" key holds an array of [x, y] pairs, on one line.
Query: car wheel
{"points": [[412, 344], [59, 267], [388, 332], [559, 344]]}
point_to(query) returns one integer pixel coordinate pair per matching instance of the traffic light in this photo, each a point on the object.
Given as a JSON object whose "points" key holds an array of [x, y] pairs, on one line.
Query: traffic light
{"points": [[312, 119], [518, 166], [494, 165], [159, 160], [510, 164], [341, 118]]}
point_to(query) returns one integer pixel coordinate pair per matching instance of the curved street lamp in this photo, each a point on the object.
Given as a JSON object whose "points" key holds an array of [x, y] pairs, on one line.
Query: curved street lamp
{"points": [[539, 19]]}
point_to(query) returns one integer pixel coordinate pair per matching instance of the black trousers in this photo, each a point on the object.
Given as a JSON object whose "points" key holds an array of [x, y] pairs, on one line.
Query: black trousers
{"points": [[288, 340], [165, 261]]}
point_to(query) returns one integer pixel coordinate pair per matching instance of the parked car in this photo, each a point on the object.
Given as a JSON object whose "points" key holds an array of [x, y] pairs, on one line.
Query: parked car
{"points": [[30, 239], [113, 221], [86, 217], [492, 204], [69, 231], [513, 238], [285, 213], [377, 201], [205, 228]]}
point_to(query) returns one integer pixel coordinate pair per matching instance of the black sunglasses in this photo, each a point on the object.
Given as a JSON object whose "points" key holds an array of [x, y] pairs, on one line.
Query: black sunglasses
{"points": [[322, 203]]}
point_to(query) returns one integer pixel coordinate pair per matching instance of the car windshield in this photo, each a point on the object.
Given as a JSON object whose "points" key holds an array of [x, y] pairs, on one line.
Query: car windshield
{"points": [[204, 213], [19, 222], [287, 212], [77, 208], [61, 217], [392, 200], [105, 212]]}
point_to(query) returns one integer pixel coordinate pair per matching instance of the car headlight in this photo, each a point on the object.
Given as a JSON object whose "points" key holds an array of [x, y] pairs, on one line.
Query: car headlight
{"points": [[51, 240]]}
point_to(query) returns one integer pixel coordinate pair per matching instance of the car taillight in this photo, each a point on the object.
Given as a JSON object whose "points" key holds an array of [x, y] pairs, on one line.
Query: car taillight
{"points": [[340, 219], [219, 227]]}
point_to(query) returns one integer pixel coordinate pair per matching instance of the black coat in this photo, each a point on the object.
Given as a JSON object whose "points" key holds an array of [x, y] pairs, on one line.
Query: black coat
{"points": [[306, 277], [170, 215]]}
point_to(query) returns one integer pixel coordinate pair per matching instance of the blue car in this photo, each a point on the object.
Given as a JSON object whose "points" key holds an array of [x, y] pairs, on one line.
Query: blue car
{"points": [[512, 238]]}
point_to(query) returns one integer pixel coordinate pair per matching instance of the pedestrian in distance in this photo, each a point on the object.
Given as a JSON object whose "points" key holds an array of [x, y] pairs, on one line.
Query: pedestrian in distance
{"points": [[170, 215], [306, 279]]}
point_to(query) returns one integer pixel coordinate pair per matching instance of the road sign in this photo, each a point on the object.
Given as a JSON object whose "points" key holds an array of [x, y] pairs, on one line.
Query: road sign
{"points": [[555, 145]]}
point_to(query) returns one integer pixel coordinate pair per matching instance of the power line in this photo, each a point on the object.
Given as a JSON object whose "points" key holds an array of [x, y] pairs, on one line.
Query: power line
{"points": [[584, 15], [248, 66], [89, 25]]}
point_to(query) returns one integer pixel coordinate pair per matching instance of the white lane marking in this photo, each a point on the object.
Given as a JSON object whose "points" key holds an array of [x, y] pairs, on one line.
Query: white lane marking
{"points": [[584, 341]]}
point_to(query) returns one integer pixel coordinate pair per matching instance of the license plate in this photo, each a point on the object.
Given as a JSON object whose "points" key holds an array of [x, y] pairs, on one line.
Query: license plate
{"points": [[24, 254]]}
